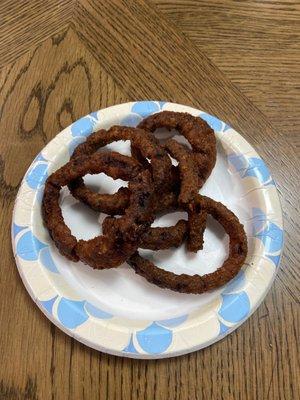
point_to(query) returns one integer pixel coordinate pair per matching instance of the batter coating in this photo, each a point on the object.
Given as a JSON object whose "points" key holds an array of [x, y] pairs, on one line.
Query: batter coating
{"points": [[165, 198], [117, 203], [197, 132], [199, 284], [189, 187], [102, 251]]}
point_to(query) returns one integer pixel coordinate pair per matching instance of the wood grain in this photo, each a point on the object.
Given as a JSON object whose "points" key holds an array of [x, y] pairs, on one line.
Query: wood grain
{"points": [[26, 23], [257, 46], [127, 50]]}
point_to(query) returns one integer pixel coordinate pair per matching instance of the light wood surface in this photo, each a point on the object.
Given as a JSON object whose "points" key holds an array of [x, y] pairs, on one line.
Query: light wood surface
{"points": [[62, 59]]}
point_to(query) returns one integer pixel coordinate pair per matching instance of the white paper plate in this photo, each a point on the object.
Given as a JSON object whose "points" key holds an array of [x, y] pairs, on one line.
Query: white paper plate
{"points": [[117, 311]]}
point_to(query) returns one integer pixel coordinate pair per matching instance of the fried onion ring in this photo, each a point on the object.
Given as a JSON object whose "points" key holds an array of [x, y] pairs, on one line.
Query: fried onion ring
{"points": [[198, 284], [173, 236], [165, 237], [154, 238], [117, 203], [147, 145], [189, 187], [102, 251], [197, 132]]}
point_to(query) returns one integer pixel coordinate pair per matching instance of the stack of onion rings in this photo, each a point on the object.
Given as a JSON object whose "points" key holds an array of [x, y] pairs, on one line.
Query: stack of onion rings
{"points": [[154, 186]]}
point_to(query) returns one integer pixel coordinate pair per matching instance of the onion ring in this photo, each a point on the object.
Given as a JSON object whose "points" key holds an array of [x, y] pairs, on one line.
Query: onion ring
{"points": [[197, 284], [117, 203], [189, 187], [165, 237], [149, 147], [102, 251], [154, 238], [198, 133]]}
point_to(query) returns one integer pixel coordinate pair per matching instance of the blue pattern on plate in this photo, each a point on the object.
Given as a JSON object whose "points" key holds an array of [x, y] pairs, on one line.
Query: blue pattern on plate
{"points": [[47, 260], [154, 339], [39, 157], [236, 284], [28, 246], [145, 108], [48, 304], [238, 161], [17, 228], [40, 193], [257, 226], [140, 110], [131, 120], [226, 127], [234, 307], [74, 143], [270, 234], [71, 313], [272, 237], [258, 214], [94, 115], [172, 322], [161, 104], [37, 175], [130, 347], [212, 121], [258, 169], [223, 328], [251, 167], [83, 126], [96, 312], [274, 259]]}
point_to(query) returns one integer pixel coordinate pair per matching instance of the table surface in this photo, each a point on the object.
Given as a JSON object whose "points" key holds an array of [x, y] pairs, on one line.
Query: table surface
{"points": [[237, 60]]}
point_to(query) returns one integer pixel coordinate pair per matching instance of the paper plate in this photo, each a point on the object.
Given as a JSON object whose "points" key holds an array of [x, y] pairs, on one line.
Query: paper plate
{"points": [[117, 311]]}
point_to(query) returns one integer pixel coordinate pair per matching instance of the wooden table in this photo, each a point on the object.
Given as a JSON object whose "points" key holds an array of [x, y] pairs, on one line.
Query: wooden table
{"points": [[61, 59]]}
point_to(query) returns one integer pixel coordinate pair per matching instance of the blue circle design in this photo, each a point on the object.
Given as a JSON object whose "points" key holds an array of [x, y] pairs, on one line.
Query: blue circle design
{"points": [[131, 120], [226, 127], [238, 161], [145, 108], [37, 175], [40, 157], [212, 121], [272, 244], [274, 259], [161, 104], [130, 347], [48, 304], [94, 115], [258, 169], [154, 339], [83, 127], [71, 313], [272, 237], [96, 312], [17, 228], [28, 247], [235, 307], [40, 194], [223, 328], [257, 226], [47, 260], [251, 167]]}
